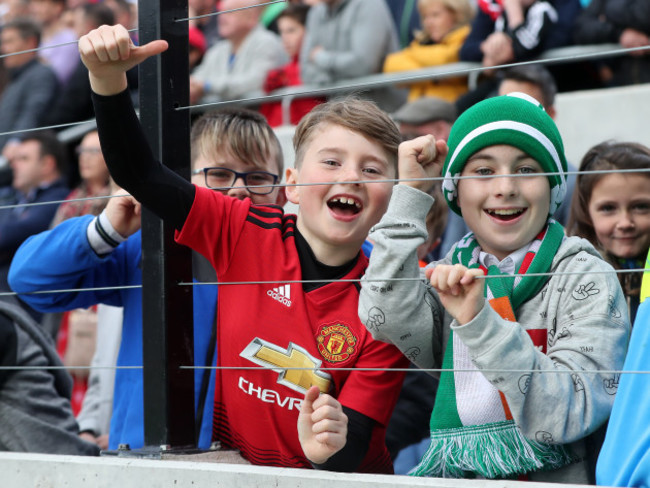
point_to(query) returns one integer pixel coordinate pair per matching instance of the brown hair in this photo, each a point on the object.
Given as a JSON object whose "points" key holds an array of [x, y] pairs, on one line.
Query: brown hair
{"points": [[361, 116], [295, 11], [607, 155], [244, 133]]}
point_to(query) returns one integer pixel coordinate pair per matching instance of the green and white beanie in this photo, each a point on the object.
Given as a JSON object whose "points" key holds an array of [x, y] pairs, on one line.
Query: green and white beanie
{"points": [[516, 120]]}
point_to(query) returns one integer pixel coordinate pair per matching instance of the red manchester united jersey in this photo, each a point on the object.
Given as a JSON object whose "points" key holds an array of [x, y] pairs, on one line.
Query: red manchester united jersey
{"points": [[268, 331]]}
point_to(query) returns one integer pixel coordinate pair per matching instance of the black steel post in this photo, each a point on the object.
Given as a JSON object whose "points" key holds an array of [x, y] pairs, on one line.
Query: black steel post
{"points": [[167, 307]]}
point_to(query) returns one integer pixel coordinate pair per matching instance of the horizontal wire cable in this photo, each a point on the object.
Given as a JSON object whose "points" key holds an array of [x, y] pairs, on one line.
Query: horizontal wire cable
{"points": [[43, 48], [356, 182], [352, 86], [70, 290], [367, 85], [274, 368], [350, 280], [46, 127], [58, 202], [392, 280], [19, 368], [219, 12]]}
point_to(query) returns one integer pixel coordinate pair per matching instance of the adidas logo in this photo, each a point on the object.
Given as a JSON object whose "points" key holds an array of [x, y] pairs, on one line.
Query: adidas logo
{"points": [[282, 294]]}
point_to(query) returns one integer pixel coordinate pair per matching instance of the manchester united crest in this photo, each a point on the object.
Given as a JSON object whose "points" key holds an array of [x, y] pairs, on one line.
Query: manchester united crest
{"points": [[336, 343]]}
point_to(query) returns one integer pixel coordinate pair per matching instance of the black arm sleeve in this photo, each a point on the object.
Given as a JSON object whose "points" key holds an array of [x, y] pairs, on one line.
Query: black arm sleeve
{"points": [[357, 443], [132, 165]]}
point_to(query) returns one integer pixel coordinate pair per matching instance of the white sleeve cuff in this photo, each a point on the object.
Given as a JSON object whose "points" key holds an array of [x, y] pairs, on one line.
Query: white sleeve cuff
{"points": [[103, 238]]}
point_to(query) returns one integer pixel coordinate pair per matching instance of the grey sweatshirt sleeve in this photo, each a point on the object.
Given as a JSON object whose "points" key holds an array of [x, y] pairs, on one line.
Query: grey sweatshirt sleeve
{"points": [[558, 396], [405, 313]]}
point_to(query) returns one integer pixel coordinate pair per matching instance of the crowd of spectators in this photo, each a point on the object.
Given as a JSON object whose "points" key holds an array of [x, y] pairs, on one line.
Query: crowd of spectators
{"points": [[248, 51]]}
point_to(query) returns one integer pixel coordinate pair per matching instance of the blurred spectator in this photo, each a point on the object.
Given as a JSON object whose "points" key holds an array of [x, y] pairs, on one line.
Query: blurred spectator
{"points": [[126, 14], [406, 18], [626, 22], [365, 34], [13, 9], [445, 26], [515, 30], [426, 115], [237, 65], [76, 330], [38, 165], [198, 46], [74, 103], [207, 25], [32, 85], [34, 401], [63, 59], [269, 17], [291, 23], [95, 182], [347, 39], [97, 409]]}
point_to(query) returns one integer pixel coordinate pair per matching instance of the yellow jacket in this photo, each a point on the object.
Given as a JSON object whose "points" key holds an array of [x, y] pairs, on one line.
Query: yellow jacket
{"points": [[418, 56]]}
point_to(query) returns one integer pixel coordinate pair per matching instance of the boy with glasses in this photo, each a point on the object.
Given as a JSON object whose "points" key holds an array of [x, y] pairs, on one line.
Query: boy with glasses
{"points": [[341, 407], [87, 252]]}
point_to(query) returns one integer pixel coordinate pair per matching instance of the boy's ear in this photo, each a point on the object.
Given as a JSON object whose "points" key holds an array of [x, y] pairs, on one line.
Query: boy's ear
{"points": [[291, 175]]}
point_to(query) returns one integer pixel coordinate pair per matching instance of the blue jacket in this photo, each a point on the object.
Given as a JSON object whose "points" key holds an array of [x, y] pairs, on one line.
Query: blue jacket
{"points": [[62, 258], [624, 459]]}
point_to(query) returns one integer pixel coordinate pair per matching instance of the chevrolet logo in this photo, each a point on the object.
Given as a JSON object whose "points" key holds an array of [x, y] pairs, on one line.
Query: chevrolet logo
{"points": [[287, 362]]}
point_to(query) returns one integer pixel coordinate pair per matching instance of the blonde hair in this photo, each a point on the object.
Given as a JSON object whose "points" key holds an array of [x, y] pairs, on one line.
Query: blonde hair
{"points": [[462, 9], [243, 133], [361, 116]]}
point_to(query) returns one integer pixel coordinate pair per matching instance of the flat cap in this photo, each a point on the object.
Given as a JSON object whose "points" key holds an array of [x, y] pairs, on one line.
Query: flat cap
{"points": [[425, 109]]}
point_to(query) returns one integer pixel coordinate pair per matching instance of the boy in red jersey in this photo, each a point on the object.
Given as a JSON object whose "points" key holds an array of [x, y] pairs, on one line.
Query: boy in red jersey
{"points": [[278, 324]]}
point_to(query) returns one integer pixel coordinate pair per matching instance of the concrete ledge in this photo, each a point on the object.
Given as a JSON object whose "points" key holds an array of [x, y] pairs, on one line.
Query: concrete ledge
{"points": [[50, 471]]}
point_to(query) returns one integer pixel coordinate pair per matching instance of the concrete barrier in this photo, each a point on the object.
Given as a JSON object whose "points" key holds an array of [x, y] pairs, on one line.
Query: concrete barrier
{"points": [[50, 471]]}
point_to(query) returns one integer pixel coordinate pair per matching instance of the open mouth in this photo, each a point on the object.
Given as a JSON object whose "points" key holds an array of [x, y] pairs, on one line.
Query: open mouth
{"points": [[344, 205], [505, 214]]}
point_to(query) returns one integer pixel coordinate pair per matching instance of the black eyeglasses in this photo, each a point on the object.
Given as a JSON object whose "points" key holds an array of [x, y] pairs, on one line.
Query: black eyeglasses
{"points": [[258, 182]]}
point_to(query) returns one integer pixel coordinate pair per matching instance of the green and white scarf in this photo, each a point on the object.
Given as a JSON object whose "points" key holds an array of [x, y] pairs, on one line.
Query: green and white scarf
{"points": [[487, 442]]}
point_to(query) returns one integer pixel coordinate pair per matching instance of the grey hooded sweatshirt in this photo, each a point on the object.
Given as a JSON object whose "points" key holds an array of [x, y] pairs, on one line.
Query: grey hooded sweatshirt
{"points": [[582, 310]]}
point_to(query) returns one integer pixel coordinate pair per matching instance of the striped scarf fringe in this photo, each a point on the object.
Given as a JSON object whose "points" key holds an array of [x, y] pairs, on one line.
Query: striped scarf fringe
{"points": [[496, 450]]}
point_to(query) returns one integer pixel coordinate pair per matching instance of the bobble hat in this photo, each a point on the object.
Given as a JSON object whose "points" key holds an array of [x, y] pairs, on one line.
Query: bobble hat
{"points": [[515, 120]]}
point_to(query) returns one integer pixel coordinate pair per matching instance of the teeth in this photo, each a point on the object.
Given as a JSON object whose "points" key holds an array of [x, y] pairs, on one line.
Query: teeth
{"points": [[505, 211], [346, 201]]}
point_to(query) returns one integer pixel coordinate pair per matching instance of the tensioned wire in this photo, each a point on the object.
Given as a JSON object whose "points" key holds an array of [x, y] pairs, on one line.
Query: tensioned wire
{"points": [[360, 182], [352, 86], [307, 92], [291, 282], [298, 368]]}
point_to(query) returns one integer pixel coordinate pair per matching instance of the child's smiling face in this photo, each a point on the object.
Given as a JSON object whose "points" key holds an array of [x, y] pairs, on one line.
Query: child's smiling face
{"points": [[619, 209], [505, 213], [335, 219]]}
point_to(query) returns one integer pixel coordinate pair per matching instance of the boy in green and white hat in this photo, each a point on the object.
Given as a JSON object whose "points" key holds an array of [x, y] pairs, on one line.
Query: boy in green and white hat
{"points": [[521, 348]]}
